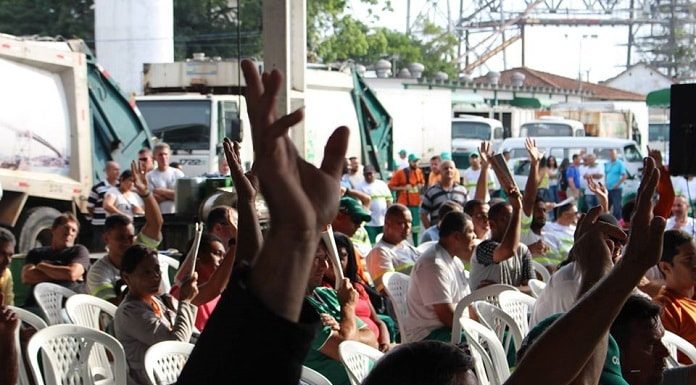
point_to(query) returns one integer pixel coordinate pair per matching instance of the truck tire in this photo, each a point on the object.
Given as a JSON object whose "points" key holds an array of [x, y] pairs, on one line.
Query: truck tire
{"points": [[35, 228]]}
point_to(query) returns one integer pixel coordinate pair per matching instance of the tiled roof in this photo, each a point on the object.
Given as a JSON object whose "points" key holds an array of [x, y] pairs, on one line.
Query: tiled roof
{"points": [[534, 78]]}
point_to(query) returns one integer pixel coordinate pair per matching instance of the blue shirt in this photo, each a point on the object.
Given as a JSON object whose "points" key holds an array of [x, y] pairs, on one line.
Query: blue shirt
{"points": [[573, 172], [614, 171]]}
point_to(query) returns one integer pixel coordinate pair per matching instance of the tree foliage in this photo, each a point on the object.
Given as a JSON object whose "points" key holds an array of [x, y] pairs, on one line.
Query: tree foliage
{"points": [[66, 18]]}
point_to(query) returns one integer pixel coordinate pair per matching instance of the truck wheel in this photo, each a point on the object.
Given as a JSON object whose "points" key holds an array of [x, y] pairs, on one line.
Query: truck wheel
{"points": [[35, 228]]}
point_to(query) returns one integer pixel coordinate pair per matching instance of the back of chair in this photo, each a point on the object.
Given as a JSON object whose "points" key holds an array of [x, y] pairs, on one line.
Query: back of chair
{"points": [[166, 263], [479, 334], [85, 310], [497, 320], [396, 286], [536, 286], [675, 344], [165, 360], [65, 351], [50, 298], [519, 306], [37, 323], [486, 293], [542, 270], [312, 377], [358, 359]]}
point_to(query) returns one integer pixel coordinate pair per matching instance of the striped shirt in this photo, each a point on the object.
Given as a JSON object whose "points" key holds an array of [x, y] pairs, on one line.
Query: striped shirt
{"points": [[436, 195], [96, 202]]}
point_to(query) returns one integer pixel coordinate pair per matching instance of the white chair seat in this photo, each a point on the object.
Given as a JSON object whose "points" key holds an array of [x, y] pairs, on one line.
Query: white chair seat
{"points": [[358, 359], [536, 286], [518, 306], [165, 360]]}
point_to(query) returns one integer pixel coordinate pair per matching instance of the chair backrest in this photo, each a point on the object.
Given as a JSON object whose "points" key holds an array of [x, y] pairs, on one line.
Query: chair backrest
{"points": [[65, 351], [396, 286], [478, 334], [50, 298], [519, 306], [165, 360], [358, 359], [425, 246], [85, 310], [167, 262], [312, 377], [536, 286], [37, 323], [497, 320], [542, 270], [487, 293], [674, 344]]}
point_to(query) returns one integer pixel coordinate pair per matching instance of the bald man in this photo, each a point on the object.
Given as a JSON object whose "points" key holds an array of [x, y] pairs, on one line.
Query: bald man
{"points": [[447, 189]]}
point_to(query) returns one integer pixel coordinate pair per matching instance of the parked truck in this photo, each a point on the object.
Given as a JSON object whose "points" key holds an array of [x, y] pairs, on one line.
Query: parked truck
{"points": [[62, 119]]}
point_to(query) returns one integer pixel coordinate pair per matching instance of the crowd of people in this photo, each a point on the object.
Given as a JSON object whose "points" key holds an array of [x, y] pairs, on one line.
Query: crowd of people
{"points": [[622, 274]]}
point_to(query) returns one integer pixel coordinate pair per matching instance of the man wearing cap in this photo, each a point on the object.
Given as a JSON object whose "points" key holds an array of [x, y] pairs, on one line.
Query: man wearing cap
{"points": [[471, 176], [447, 189], [349, 220], [408, 183], [380, 199], [401, 162]]}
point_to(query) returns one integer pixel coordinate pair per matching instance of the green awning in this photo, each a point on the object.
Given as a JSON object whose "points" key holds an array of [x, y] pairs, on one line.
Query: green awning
{"points": [[659, 98], [532, 102], [467, 98]]}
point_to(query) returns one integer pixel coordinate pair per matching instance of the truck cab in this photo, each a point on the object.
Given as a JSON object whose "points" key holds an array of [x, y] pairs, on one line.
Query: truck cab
{"points": [[552, 126], [469, 130]]}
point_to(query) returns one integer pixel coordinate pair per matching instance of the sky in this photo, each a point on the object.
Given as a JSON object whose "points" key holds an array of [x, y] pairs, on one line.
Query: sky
{"points": [[599, 52]]}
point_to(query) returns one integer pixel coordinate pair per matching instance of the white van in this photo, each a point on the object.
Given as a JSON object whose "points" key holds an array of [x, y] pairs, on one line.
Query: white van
{"points": [[552, 126], [564, 148], [469, 130]]}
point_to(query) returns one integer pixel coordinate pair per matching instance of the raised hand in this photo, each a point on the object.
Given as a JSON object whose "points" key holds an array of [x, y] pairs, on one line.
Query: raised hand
{"points": [[594, 241], [657, 157], [601, 192], [139, 178], [515, 198], [347, 295], [305, 195], [246, 185], [486, 153], [534, 154]]}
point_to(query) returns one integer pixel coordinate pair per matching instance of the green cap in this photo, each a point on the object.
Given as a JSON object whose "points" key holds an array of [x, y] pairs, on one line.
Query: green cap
{"points": [[413, 157], [352, 207], [402, 152], [445, 155]]}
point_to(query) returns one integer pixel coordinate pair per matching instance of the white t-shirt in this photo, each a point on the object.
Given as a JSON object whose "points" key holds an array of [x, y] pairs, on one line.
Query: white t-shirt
{"points": [[471, 176], [436, 278], [596, 169], [164, 179], [559, 295], [125, 202], [379, 194], [385, 257], [688, 227]]}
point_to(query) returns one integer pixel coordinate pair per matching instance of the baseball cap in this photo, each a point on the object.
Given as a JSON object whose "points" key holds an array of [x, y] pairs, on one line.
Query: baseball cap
{"points": [[611, 371], [402, 152], [413, 157], [445, 155], [474, 155], [352, 207]]}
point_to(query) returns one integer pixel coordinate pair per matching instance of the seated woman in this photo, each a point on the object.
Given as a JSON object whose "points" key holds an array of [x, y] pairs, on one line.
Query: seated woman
{"points": [[123, 199], [364, 308], [144, 318]]}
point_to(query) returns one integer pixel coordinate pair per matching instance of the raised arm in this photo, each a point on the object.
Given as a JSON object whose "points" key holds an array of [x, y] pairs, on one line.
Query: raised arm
{"points": [[359, 195], [8, 352], [153, 216], [601, 192], [482, 183], [663, 207], [511, 239], [530, 188]]}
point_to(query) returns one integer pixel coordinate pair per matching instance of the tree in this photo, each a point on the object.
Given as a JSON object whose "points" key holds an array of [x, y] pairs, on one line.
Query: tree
{"points": [[66, 18]]}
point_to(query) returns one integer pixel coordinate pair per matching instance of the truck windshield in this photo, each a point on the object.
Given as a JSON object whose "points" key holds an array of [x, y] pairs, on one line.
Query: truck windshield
{"points": [[546, 129], [471, 130], [183, 124]]}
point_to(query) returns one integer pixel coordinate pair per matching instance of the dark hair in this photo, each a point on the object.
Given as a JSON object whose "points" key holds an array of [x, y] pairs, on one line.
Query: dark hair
{"points": [[560, 210], [472, 205], [6, 236], [452, 223], [206, 239], [218, 215], [64, 218], [116, 220], [548, 161], [497, 209], [351, 271], [575, 156], [174, 164], [394, 210], [144, 150], [636, 309], [125, 175], [448, 207], [405, 364], [627, 210], [671, 241], [543, 162], [134, 255], [435, 157]]}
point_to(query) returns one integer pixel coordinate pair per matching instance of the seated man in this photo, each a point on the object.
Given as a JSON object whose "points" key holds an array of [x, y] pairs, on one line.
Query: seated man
{"points": [[393, 252], [337, 311], [433, 232], [63, 262], [478, 211], [677, 265], [559, 235], [7, 246], [119, 234], [502, 258], [533, 234], [438, 281]]}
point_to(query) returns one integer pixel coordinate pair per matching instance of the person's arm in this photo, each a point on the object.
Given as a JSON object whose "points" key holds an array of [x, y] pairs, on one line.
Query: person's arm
{"points": [[570, 173], [217, 282], [72, 272], [31, 275], [383, 340], [359, 195], [486, 154], [398, 181], [153, 216], [108, 204], [506, 248], [163, 193], [601, 192], [532, 185], [8, 351], [378, 263], [445, 313], [665, 190], [588, 334]]}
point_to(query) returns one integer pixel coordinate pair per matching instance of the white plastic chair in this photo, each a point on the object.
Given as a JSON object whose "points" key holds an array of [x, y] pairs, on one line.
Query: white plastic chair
{"points": [[497, 320], [165, 360], [542, 270], [49, 297], [425, 246], [674, 344], [484, 341], [519, 306], [167, 262], [487, 293], [536, 286], [37, 323], [85, 310], [358, 359], [65, 351], [396, 286], [312, 377]]}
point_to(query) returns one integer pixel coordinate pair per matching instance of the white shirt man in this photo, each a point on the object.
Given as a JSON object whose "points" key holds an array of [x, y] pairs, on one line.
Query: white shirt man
{"points": [[162, 180]]}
